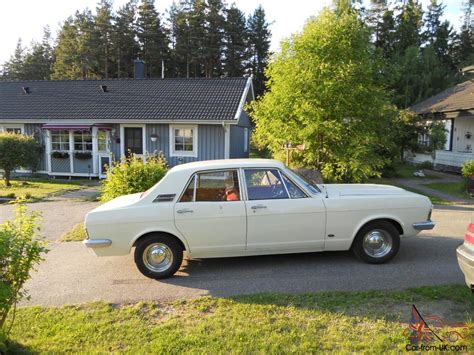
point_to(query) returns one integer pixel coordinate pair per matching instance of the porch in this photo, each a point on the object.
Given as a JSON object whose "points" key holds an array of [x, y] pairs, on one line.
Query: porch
{"points": [[451, 161]]}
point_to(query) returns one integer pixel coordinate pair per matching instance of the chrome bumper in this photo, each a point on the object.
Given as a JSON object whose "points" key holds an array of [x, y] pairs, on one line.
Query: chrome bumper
{"points": [[466, 264], [97, 243], [422, 226]]}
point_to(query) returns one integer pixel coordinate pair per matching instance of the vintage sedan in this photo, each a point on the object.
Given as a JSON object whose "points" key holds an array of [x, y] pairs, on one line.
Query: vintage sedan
{"points": [[240, 207]]}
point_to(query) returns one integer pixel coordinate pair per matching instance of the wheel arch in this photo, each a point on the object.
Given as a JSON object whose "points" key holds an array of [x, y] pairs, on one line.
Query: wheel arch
{"points": [[167, 233], [392, 220]]}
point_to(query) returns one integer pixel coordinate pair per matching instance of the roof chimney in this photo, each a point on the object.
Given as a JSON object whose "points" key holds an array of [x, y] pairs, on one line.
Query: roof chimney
{"points": [[103, 88], [26, 89], [139, 69]]}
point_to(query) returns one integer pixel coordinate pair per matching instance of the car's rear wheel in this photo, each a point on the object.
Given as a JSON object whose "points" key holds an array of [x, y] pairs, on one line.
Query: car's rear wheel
{"points": [[377, 242], [158, 256]]}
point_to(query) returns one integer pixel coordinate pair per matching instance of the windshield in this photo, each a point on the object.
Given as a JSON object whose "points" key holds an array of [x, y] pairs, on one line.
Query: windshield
{"points": [[312, 187]]}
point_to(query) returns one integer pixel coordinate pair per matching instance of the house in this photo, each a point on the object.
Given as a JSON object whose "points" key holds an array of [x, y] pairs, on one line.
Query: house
{"points": [[455, 107], [84, 125]]}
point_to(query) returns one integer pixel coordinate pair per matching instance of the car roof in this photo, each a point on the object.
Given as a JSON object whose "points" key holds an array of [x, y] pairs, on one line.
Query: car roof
{"points": [[228, 163]]}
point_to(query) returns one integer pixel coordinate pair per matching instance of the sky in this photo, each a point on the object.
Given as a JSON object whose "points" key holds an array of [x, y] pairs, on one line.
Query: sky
{"points": [[25, 19]]}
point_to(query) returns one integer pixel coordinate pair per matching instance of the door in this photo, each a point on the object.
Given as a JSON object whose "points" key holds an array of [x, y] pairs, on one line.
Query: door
{"points": [[280, 216], [105, 164], [211, 214], [133, 137]]}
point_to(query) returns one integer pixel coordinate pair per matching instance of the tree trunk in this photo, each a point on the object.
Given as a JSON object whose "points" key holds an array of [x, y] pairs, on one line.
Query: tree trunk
{"points": [[7, 176]]}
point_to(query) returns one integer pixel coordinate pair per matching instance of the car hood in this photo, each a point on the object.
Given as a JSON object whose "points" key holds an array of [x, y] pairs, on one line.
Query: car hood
{"points": [[335, 190]]}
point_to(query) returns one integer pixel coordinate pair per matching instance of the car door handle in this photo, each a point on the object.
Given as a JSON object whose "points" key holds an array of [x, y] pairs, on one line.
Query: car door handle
{"points": [[258, 207], [185, 210]]}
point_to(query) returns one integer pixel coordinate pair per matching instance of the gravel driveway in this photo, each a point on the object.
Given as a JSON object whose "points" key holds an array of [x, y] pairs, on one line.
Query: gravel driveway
{"points": [[72, 274]]}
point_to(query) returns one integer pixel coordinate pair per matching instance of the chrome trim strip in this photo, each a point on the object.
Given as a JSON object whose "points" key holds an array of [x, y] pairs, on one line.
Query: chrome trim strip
{"points": [[424, 225], [97, 243]]}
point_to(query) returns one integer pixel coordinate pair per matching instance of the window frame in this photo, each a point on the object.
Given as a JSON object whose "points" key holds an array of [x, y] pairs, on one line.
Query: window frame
{"points": [[194, 179], [173, 152], [61, 142], [5, 126], [107, 141], [82, 142]]}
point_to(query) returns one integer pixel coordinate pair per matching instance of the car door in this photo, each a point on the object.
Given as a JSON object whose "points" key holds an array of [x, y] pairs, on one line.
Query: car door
{"points": [[280, 215], [211, 214]]}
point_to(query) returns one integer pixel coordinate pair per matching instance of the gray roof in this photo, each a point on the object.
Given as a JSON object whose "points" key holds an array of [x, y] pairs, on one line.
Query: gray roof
{"points": [[124, 99], [457, 98]]}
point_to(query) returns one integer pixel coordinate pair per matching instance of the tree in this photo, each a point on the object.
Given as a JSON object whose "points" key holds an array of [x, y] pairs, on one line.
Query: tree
{"points": [[214, 40], [465, 39], [17, 150], [38, 60], [125, 46], [152, 38], [103, 28], [259, 46], [235, 39], [409, 23], [13, 69], [323, 93]]}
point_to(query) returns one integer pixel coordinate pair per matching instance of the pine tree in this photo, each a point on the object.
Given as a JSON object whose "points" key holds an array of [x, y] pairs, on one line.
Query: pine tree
{"points": [[152, 38], [13, 69], [235, 38], [408, 26], [125, 46], [259, 46], [465, 40], [38, 60], [103, 27], [213, 45]]}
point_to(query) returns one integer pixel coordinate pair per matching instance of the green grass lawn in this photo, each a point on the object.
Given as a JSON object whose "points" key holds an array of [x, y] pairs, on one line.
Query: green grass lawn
{"points": [[77, 233], [37, 189], [371, 321], [457, 189]]}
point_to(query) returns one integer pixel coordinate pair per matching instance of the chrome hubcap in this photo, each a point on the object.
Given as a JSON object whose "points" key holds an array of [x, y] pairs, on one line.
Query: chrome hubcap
{"points": [[377, 243], [157, 257]]}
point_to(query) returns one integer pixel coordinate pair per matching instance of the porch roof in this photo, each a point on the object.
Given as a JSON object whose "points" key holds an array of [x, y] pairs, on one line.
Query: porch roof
{"points": [[123, 99], [456, 98]]}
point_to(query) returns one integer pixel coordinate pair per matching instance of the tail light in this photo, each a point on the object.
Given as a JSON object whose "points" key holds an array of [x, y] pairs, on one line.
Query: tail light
{"points": [[469, 235]]}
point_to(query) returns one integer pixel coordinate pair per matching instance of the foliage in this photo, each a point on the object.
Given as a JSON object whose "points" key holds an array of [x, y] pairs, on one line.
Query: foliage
{"points": [[343, 322], [467, 169], [76, 233], [323, 93], [437, 135], [20, 251], [17, 150], [132, 175], [198, 38]]}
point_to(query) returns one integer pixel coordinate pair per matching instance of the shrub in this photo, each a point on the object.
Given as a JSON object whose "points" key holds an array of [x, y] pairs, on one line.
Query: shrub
{"points": [[17, 150], [133, 175], [20, 251], [467, 169]]}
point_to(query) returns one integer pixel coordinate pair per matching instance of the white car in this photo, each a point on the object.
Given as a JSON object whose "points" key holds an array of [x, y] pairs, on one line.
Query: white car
{"points": [[240, 207], [465, 253]]}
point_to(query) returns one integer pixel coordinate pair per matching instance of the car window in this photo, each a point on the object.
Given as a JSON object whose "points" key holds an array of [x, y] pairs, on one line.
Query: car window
{"points": [[264, 184], [293, 190], [188, 194], [217, 186]]}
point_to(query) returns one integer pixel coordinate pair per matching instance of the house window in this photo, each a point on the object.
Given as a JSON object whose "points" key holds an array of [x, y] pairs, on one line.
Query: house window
{"points": [[423, 140], [60, 140], [183, 141], [102, 141], [82, 141], [246, 140], [12, 129]]}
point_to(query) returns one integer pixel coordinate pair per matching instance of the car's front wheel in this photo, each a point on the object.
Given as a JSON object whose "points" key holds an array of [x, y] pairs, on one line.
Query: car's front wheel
{"points": [[158, 256], [377, 242]]}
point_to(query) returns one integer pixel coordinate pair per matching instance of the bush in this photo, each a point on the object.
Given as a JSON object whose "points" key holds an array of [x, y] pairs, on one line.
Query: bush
{"points": [[17, 150], [133, 175], [467, 169], [20, 251]]}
